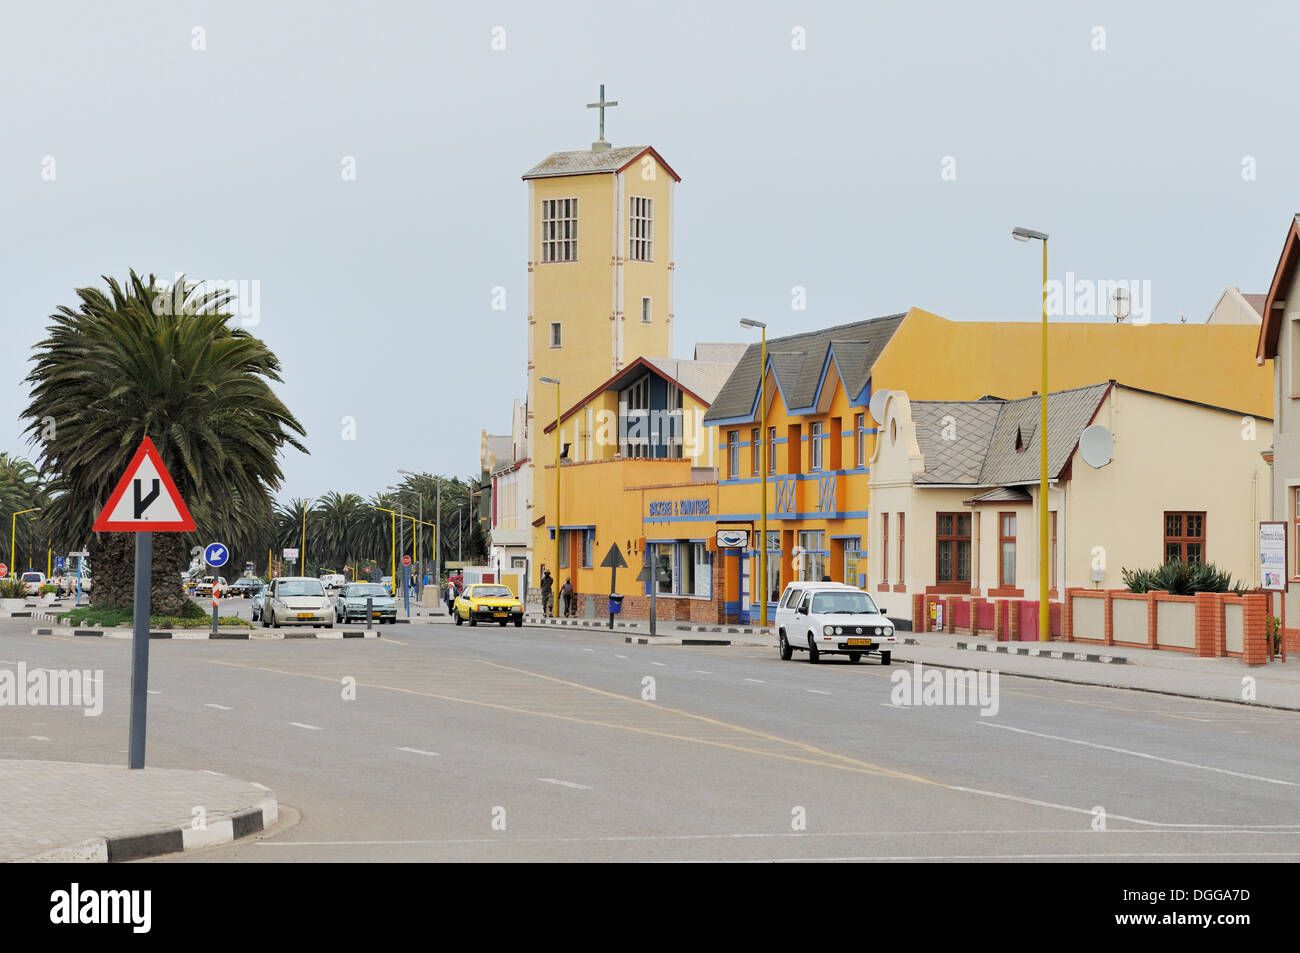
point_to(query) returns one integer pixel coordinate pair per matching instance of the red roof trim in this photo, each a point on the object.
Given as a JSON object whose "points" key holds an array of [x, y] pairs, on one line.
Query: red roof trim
{"points": [[613, 381], [1271, 326], [651, 150]]}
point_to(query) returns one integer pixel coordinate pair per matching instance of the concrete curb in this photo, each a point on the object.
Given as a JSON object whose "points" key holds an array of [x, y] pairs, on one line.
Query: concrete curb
{"points": [[170, 840], [252, 635], [1011, 648], [669, 640]]}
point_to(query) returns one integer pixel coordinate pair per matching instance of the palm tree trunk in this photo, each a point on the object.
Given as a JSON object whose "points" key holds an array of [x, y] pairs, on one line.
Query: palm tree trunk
{"points": [[113, 558]]}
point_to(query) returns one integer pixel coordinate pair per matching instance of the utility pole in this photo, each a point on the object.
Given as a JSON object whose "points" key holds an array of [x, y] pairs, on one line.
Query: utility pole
{"points": [[437, 536]]}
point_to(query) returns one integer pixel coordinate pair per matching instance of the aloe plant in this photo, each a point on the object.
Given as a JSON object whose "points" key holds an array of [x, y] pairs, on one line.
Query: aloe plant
{"points": [[1181, 578]]}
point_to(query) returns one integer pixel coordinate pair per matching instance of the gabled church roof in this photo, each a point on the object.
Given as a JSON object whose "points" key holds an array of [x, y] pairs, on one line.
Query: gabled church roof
{"points": [[586, 162]]}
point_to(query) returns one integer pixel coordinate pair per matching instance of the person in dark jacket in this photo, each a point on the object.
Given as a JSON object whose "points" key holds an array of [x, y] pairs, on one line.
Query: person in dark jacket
{"points": [[566, 593], [548, 584]]}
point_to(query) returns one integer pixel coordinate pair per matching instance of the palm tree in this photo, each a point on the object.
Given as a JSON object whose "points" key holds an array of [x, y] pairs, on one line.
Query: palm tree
{"points": [[21, 489], [337, 524], [143, 360], [290, 520]]}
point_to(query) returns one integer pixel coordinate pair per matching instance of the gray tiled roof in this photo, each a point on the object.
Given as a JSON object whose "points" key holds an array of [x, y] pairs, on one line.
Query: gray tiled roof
{"points": [[584, 162], [702, 378], [981, 449], [797, 361], [954, 449]]}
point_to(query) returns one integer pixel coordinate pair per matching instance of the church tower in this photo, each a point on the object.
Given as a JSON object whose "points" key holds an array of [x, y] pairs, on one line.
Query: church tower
{"points": [[600, 287]]}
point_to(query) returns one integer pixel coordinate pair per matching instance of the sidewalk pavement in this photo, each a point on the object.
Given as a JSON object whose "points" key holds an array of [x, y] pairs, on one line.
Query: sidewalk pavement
{"points": [[62, 811], [1275, 685]]}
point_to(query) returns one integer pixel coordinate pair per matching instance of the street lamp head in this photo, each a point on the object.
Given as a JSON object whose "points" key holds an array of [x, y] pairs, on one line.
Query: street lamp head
{"points": [[1021, 234], [751, 323], [548, 380]]}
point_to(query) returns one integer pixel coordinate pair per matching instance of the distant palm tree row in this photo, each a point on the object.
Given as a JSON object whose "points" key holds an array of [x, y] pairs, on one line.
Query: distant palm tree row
{"points": [[148, 359], [345, 530]]}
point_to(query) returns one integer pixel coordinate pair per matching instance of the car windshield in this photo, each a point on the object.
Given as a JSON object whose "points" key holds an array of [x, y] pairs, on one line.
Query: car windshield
{"points": [[366, 589], [300, 587], [31, 577], [492, 592], [843, 603]]}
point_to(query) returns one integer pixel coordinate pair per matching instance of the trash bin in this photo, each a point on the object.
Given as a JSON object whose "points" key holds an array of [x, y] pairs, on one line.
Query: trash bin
{"points": [[615, 603]]}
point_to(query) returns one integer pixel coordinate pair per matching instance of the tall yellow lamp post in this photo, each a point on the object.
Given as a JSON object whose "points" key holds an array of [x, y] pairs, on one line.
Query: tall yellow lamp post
{"points": [[760, 584], [556, 575], [13, 529], [1044, 570]]}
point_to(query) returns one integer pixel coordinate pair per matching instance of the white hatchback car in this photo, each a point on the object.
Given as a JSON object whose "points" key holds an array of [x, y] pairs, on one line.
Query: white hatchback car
{"points": [[831, 618], [297, 600]]}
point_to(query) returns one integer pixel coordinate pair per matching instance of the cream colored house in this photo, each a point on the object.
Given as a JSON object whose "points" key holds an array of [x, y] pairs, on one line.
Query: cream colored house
{"points": [[955, 501], [1233, 307]]}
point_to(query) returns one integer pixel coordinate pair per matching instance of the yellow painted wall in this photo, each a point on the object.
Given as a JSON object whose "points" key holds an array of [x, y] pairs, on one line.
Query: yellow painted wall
{"points": [[936, 359]]}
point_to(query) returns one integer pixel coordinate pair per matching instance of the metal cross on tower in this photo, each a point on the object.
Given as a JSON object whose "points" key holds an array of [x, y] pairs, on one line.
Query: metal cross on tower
{"points": [[602, 106]]}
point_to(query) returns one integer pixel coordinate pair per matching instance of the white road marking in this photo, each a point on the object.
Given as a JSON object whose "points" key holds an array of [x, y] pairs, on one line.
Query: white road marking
{"points": [[39, 738], [299, 724], [620, 656], [221, 707], [588, 650], [700, 671], [756, 681], [152, 692], [1149, 757], [816, 691], [567, 784], [431, 754], [660, 664]]}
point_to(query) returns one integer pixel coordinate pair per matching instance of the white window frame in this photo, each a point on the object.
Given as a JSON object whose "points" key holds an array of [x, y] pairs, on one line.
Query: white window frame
{"points": [[559, 228], [641, 228], [815, 445], [647, 314], [557, 335]]}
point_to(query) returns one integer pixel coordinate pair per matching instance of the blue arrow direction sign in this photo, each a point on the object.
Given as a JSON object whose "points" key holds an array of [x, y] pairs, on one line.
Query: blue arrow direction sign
{"points": [[216, 555]]}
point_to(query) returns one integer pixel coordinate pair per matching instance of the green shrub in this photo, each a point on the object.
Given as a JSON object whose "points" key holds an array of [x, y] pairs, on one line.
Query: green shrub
{"points": [[1181, 578], [12, 589]]}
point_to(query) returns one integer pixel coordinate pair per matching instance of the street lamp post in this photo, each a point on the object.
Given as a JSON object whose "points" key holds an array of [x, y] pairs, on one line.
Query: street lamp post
{"points": [[1044, 610], [13, 530], [556, 522], [761, 582]]}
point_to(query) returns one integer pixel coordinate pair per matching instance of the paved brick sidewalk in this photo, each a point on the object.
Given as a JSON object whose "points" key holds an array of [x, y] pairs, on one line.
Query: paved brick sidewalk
{"points": [[65, 811]]}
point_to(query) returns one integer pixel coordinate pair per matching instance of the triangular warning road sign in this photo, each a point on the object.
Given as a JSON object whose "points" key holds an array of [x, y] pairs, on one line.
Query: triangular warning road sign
{"points": [[614, 559], [145, 499]]}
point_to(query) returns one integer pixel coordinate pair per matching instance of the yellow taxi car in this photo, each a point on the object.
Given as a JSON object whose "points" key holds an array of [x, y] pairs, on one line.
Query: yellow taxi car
{"points": [[486, 602]]}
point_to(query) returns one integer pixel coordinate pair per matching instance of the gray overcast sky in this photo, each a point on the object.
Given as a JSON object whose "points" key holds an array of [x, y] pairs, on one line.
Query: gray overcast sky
{"points": [[818, 168]]}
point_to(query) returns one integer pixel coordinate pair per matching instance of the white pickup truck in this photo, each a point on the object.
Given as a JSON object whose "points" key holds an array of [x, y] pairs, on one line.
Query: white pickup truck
{"points": [[831, 618]]}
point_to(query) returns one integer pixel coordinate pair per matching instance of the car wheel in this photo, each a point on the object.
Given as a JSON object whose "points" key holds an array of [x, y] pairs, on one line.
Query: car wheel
{"points": [[503, 623], [275, 623], [855, 656], [473, 621], [786, 650], [518, 623], [459, 620], [330, 626], [813, 655], [884, 658]]}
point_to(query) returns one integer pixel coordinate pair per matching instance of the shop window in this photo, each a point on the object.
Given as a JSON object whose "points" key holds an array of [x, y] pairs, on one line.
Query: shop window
{"points": [[813, 555]]}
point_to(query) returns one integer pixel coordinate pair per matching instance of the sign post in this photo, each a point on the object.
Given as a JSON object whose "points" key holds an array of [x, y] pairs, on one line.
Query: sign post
{"points": [[152, 505], [614, 560], [406, 583], [1273, 571]]}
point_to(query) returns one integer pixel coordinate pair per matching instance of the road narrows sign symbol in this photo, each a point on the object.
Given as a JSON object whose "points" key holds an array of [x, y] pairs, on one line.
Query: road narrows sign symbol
{"points": [[145, 499]]}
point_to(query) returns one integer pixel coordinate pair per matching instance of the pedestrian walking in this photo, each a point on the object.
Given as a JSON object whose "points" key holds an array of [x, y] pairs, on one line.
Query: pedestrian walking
{"points": [[566, 593], [450, 596], [548, 609]]}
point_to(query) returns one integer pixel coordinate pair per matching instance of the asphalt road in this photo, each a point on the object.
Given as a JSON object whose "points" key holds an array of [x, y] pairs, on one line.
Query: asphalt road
{"points": [[456, 733]]}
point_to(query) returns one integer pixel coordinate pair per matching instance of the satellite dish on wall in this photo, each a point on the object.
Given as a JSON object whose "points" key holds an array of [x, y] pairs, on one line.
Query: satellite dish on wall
{"points": [[877, 405], [1096, 446]]}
